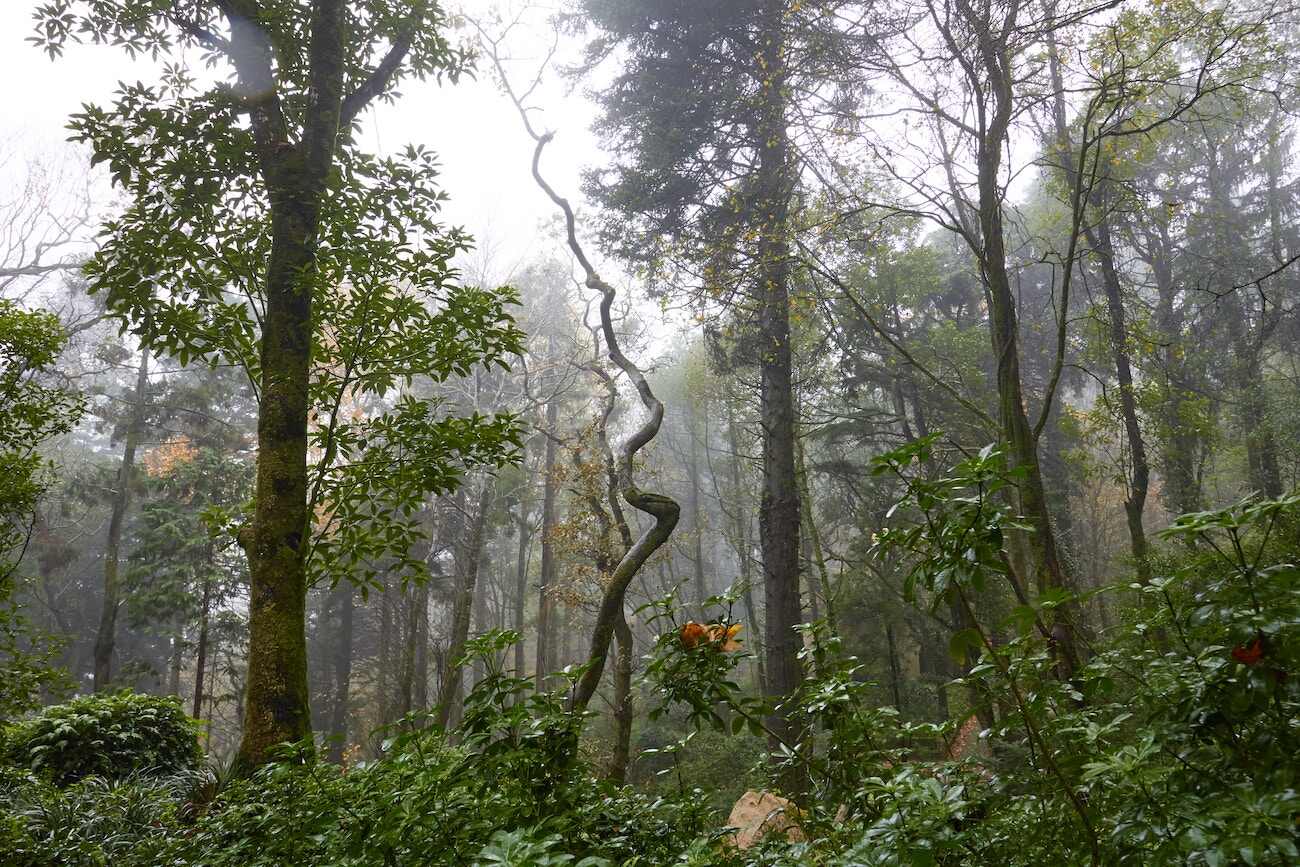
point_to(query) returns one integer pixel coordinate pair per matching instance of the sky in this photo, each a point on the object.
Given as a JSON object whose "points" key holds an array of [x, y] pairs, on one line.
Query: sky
{"points": [[484, 151]]}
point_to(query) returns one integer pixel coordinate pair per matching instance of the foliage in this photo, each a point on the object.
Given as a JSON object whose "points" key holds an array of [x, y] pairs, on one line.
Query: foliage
{"points": [[1174, 745], [185, 264], [110, 736], [424, 801], [194, 497], [95, 822], [35, 411], [1181, 751]]}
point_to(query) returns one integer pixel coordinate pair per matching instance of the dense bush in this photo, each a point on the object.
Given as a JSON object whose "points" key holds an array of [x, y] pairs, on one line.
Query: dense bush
{"points": [[111, 736], [1176, 744], [96, 822], [424, 802]]}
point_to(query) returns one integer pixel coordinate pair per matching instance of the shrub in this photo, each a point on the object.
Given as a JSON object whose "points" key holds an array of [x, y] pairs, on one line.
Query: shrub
{"points": [[97, 821], [514, 769], [106, 735]]}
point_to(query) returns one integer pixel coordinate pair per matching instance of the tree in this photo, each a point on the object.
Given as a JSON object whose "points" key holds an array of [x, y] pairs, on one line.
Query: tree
{"points": [[1136, 95], [662, 510], [35, 412], [253, 217], [112, 598], [702, 194], [469, 557]]}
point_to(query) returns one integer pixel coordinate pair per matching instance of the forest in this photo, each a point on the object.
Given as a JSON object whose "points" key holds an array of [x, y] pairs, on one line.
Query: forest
{"points": [[872, 440]]}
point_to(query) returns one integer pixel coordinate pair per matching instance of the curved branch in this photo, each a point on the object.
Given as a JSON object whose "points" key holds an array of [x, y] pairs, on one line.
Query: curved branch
{"points": [[663, 509]]}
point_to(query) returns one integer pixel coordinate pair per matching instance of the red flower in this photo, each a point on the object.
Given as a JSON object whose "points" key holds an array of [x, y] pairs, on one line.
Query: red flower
{"points": [[1250, 654]]}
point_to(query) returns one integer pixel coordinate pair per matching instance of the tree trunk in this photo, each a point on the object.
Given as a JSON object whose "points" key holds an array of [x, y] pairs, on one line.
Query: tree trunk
{"points": [[201, 656], [277, 699], [406, 686], [1181, 491], [106, 637], [1021, 442], [521, 585], [741, 529], [1102, 246], [174, 668], [547, 579], [420, 695], [819, 575], [468, 560], [895, 668], [385, 688], [622, 755], [697, 523], [779, 508], [342, 660], [1140, 475]]}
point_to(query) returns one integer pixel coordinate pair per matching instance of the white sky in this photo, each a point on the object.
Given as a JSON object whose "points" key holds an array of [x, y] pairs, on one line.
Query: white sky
{"points": [[484, 151]]}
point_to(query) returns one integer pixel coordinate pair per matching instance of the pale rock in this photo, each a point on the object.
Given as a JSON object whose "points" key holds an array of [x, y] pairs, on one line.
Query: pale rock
{"points": [[758, 814]]}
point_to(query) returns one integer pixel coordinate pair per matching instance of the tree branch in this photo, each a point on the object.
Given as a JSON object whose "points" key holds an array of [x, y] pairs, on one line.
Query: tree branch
{"points": [[356, 101]]}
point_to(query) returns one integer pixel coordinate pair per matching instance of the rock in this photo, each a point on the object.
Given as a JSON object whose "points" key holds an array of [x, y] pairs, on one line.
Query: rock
{"points": [[758, 814]]}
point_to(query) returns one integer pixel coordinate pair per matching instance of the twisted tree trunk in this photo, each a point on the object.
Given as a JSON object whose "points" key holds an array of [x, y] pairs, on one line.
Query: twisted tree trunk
{"points": [[663, 510]]}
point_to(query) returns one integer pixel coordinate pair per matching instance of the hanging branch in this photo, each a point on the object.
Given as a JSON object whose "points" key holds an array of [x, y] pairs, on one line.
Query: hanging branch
{"points": [[661, 508]]}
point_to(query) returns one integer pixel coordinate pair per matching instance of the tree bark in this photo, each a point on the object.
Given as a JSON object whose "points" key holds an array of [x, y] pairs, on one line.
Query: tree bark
{"points": [[1140, 474], [622, 755], [741, 530], [385, 689], [520, 600], [277, 697], [420, 688], [342, 660], [697, 523], [201, 655], [820, 576], [1101, 244], [468, 560], [406, 683], [106, 637], [779, 508], [662, 509], [544, 603], [1021, 442], [1181, 492]]}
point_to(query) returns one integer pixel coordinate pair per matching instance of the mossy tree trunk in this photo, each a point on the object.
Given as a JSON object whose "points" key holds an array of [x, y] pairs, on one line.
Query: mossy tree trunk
{"points": [[295, 175]]}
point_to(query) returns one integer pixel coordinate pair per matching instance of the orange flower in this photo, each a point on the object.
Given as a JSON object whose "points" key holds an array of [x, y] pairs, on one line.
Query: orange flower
{"points": [[717, 635], [725, 636], [691, 633]]}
